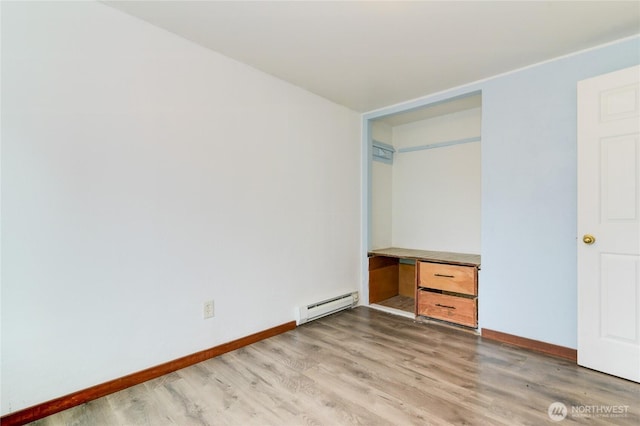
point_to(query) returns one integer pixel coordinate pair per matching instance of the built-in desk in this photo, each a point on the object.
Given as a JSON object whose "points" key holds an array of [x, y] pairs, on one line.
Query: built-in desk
{"points": [[434, 284]]}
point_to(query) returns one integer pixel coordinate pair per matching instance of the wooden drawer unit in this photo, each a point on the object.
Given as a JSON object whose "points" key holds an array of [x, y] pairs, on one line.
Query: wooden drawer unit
{"points": [[447, 292], [444, 285], [456, 309], [453, 278]]}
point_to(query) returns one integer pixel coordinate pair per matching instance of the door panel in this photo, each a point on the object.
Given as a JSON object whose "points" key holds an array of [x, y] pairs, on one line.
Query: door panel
{"points": [[619, 166], [619, 103], [609, 209], [619, 297]]}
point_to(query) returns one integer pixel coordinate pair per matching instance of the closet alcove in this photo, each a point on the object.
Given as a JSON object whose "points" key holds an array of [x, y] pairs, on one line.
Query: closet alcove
{"points": [[425, 197]]}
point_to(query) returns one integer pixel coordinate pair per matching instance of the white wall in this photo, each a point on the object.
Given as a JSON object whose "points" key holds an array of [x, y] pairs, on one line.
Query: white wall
{"points": [[448, 127], [143, 175], [436, 192], [382, 191]]}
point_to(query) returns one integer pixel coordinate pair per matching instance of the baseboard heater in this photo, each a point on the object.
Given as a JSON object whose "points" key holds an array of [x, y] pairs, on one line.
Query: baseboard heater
{"points": [[326, 307]]}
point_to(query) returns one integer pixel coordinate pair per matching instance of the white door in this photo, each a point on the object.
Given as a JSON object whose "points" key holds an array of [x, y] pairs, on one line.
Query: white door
{"points": [[609, 223]]}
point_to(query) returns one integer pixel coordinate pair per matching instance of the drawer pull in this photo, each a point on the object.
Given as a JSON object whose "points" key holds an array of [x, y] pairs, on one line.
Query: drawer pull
{"points": [[445, 306], [443, 275]]}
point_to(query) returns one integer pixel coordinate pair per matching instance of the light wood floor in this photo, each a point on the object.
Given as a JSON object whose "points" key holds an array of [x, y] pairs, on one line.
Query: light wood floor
{"points": [[403, 303], [365, 367]]}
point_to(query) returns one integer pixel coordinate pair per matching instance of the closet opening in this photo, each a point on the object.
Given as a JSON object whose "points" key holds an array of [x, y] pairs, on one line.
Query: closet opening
{"points": [[425, 209]]}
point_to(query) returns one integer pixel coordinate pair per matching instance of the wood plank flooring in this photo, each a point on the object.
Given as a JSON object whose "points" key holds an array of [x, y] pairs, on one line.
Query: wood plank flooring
{"points": [[403, 303], [365, 367]]}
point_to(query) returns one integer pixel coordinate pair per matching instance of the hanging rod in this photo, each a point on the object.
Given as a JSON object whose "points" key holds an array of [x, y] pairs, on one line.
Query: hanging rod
{"points": [[439, 144]]}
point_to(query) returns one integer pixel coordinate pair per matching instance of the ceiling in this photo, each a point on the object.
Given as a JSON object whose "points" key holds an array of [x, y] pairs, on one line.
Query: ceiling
{"points": [[369, 54]]}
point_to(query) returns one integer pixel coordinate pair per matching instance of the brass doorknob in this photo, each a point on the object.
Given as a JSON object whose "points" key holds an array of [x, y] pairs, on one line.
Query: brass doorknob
{"points": [[588, 239]]}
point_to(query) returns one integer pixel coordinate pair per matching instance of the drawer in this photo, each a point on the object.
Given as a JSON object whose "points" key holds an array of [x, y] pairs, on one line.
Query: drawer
{"points": [[453, 278], [460, 310]]}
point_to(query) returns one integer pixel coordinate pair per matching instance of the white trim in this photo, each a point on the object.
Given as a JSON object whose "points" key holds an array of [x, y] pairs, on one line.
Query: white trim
{"points": [[365, 206], [430, 100], [392, 311]]}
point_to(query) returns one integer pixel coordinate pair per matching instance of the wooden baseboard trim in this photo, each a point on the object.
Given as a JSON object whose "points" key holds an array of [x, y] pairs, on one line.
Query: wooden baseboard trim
{"points": [[534, 345], [48, 408]]}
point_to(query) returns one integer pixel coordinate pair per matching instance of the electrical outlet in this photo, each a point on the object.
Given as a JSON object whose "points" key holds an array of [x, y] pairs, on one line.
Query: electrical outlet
{"points": [[207, 309]]}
